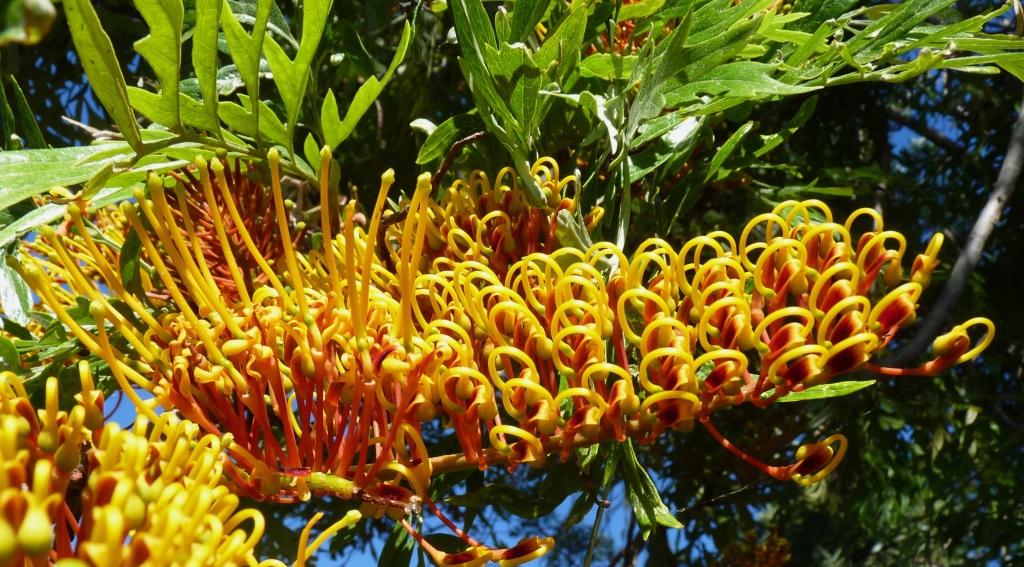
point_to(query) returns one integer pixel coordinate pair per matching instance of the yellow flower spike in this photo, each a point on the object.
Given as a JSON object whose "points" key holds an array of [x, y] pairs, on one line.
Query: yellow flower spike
{"points": [[274, 159], [196, 248], [254, 536], [352, 517], [594, 343], [910, 291], [236, 218], [461, 373], [68, 455], [387, 179], [414, 226], [806, 329], [650, 417], [116, 366], [875, 217], [679, 354], [327, 202], [780, 246], [878, 240], [43, 286], [161, 219], [643, 257], [771, 220], [826, 231], [841, 308], [798, 352], [632, 403], [525, 551], [633, 295], [90, 398], [843, 270], [663, 327], [599, 253], [809, 452], [802, 208], [719, 289], [525, 362], [48, 419], [222, 237], [213, 352], [941, 345], [745, 339]]}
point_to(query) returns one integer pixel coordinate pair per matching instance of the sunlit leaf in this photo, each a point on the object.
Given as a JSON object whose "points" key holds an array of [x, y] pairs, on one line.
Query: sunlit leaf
{"points": [[97, 55], [162, 50]]}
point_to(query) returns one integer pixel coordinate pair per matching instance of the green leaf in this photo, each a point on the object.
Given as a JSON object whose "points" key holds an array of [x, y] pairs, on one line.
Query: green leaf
{"points": [[563, 45], [897, 23], [9, 355], [517, 80], [130, 263], [474, 32], [727, 149], [448, 543], [397, 551], [440, 141], [525, 17], [354, 50], [240, 118], [746, 80], [822, 391], [608, 66], [162, 50], [34, 219], [336, 130], [6, 119], [15, 298], [291, 76], [204, 60], [798, 120], [647, 103], [561, 480], [33, 136], [26, 21], [640, 9], [245, 52], [101, 66], [643, 494], [27, 173], [680, 141]]}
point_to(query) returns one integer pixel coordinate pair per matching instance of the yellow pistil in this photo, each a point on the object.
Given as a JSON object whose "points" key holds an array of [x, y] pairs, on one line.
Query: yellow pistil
{"points": [[236, 218], [200, 276], [201, 328], [113, 281], [326, 211], [289, 253], [386, 180]]}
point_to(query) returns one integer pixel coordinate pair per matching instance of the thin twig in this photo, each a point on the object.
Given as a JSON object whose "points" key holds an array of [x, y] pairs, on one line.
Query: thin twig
{"points": [[1006, 183], [928, 133], [435, 182]]}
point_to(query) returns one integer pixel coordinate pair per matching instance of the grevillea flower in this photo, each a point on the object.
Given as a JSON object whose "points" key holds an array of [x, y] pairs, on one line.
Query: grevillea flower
{"points": [[315, 367]]}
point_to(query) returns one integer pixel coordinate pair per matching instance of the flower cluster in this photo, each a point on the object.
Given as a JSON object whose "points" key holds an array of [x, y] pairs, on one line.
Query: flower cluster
{"points": [[315, 370], [74, 487]]}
